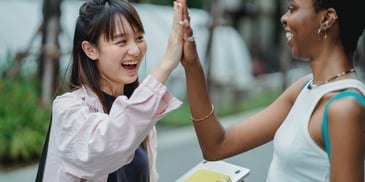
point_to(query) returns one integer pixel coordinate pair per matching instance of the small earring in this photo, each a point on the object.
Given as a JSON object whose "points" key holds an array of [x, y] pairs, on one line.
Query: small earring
{"points": [[326, 23], [319, 34]]}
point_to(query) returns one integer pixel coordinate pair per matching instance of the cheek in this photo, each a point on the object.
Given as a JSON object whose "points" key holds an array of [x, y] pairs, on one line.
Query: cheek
{"points": [[143, 48]]}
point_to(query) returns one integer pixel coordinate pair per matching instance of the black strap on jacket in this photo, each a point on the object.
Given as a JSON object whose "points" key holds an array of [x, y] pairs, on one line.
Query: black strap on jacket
{"points": [[42, 160]]}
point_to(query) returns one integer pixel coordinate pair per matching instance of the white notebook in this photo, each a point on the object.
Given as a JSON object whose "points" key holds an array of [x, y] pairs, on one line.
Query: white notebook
{"points": [[213, 171]]}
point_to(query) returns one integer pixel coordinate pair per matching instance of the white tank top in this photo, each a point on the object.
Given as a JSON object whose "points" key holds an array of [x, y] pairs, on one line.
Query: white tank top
{"points": [[296, 157]]}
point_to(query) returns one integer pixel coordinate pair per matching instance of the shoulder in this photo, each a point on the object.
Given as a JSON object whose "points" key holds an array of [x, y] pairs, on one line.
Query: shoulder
{"points": [[300, 83], [345, 105], [346, 111], [69, 96], [81, 97], [296, 87]]}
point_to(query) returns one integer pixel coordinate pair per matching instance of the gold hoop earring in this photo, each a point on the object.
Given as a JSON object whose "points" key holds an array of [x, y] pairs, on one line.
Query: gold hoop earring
{"points": [[319, 34]]}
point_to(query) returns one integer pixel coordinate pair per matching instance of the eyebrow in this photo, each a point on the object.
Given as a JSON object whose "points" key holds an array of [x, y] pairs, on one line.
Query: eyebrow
{"points": [[119, 35], [123, 34]]}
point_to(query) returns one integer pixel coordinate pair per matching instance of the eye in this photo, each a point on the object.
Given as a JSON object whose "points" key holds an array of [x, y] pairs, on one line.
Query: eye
{"points": [[290, 9], [140, 38], [121, 41]]}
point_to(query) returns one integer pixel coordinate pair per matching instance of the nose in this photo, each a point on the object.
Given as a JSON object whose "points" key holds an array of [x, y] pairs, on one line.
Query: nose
{"points": [[284, 19], [133, 49]]}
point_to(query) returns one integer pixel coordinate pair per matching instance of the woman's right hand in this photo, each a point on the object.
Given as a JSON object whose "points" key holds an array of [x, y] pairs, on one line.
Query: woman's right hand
{"points": [[174, 48], [174, 45]]}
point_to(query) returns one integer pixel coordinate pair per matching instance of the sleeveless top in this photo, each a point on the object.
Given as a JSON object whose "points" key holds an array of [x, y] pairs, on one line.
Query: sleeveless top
{"points": [[138, 169], [296, 157]]}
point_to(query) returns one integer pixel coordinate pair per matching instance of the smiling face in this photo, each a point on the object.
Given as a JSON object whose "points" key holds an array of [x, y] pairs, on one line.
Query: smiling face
{"points": [[118, 59], [301, 24]]}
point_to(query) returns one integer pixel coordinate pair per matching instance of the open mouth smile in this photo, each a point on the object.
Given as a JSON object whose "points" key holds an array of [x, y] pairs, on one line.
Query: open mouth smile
{"points": [[131, 65], [289, 36]]}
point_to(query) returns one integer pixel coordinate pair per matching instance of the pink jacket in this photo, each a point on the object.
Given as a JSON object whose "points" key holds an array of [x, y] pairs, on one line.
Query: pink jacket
{"points": [[86, 144]]}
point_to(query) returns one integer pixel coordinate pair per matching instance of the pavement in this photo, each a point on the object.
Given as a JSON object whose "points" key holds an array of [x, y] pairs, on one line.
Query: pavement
{"points": [[178, 151]]}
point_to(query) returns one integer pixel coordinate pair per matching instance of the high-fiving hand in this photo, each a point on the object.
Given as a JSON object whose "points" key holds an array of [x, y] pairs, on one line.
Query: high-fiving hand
{"points": [[190, 54]]}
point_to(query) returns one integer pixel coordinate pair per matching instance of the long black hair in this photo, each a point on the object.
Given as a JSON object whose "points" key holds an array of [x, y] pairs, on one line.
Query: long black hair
{"points": [[97, 18]]}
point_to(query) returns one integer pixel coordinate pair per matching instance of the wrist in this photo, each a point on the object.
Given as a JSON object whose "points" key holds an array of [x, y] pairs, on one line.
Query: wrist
{"points": [[191, 65], [162, 71]]}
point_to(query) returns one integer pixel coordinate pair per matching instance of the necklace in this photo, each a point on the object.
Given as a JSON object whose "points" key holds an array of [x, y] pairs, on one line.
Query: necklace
{"points": [[338, 75]]}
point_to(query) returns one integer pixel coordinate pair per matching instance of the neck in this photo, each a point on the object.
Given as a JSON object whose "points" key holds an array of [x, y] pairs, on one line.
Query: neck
{"points": [[112, 89], [328, 63], [338, 75]]}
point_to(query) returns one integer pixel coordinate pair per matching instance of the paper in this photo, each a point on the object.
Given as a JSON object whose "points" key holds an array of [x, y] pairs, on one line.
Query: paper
{"points": [[203, 175], [213, 171]]}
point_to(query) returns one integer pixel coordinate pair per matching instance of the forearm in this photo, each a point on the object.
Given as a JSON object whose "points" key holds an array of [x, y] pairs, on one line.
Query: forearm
{"points": [[162, 71], [209, 131]]}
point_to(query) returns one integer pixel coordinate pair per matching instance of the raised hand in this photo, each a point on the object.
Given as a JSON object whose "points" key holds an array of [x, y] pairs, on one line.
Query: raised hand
{"points": [[174, 48], [190, 53]]}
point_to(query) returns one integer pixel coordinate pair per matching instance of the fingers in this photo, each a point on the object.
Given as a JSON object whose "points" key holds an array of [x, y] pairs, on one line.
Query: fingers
{"points": [[185, 15], [185, 11], [189, 50], [178, 12], [177, 18], [188, 31], [190, 54]]}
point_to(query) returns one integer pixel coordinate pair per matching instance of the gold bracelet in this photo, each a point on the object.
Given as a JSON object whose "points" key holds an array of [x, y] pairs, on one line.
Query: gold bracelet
{"points": [[205, 117]]}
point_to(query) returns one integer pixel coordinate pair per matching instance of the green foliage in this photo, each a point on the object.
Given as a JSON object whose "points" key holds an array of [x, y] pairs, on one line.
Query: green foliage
{"points": [[5, 64], [178, 117], [260, 99], [23, 121]]}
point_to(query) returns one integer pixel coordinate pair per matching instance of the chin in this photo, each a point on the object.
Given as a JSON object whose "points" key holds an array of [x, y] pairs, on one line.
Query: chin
{"points": [[131, 80]]}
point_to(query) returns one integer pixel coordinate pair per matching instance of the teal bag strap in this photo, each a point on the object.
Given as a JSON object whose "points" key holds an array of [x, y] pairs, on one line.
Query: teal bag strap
{"points": [[325, 116]]}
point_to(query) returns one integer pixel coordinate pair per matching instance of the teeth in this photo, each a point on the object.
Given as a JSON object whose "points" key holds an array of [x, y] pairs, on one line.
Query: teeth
{"points": [[289, 35], [130, 63]]}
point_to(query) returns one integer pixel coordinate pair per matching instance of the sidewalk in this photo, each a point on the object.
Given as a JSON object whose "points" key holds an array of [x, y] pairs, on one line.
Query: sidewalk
{"points": [[25, 174], [168, 139]]}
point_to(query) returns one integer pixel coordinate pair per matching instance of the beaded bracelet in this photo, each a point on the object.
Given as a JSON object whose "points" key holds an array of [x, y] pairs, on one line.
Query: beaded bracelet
{"points": [[205, 117]]}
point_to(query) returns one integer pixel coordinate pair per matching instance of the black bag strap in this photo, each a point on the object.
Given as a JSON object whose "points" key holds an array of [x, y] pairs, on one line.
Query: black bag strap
{"points": [[42, 160]]}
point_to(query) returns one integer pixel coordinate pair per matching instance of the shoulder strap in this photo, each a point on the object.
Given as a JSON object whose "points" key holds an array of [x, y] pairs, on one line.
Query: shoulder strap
{"points": [[42, 161], [306, 83], [325, 116]]}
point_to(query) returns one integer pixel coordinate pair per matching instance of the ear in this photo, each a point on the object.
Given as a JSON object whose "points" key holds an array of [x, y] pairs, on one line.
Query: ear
{"points": [[330, 18], [89, 49]]}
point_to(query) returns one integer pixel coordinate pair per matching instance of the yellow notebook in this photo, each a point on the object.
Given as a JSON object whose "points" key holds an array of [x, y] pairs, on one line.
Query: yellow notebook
{"points": [[213, 171], [203, 175]]}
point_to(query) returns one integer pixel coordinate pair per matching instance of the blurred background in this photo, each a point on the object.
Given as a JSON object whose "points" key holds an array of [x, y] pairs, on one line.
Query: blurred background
{"points": [[240, 42]]}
